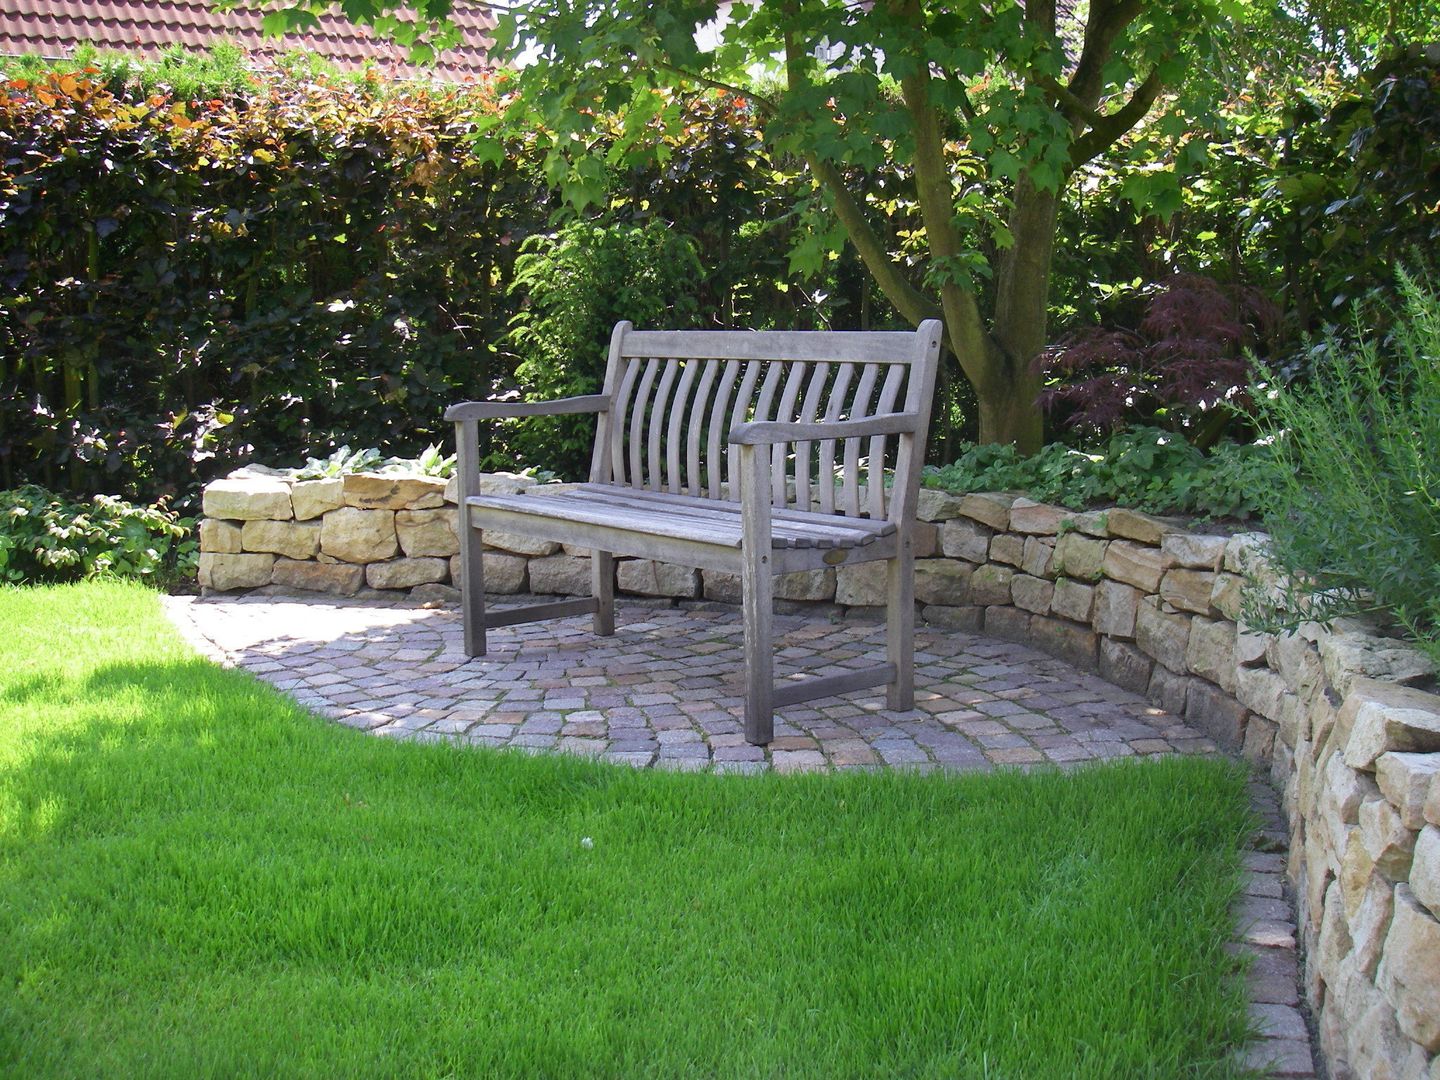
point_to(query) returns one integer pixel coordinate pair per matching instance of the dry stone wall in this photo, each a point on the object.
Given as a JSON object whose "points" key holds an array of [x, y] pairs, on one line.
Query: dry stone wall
{"points": [[1342, 718]]}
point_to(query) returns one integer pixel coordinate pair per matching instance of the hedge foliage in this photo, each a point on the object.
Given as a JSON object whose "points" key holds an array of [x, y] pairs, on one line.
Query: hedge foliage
{"points": [[185, 285]]}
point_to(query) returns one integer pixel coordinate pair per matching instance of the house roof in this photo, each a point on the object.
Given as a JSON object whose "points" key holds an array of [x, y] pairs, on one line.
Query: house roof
{"points": [[53, 28]]}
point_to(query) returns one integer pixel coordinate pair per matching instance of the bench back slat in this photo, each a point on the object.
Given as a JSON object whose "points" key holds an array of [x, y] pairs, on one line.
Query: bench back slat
{"points": [[864, 393], [875, 469], [675, 395]]}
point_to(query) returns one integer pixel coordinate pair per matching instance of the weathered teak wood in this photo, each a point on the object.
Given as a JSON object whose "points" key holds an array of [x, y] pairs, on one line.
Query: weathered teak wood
{"points": [[755, 453]]}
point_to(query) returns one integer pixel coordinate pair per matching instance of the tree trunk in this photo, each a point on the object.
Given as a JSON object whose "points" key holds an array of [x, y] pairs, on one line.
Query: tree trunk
{"points": [[1009, 412], [1012, 416]]}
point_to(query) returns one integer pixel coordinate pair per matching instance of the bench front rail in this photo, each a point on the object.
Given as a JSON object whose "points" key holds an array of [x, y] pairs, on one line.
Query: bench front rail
{"points": [[751, 452]]}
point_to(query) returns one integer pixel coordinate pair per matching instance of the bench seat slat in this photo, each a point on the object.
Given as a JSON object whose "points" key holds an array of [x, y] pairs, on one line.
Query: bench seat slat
{"points": [[664, 514], [807, 530]]}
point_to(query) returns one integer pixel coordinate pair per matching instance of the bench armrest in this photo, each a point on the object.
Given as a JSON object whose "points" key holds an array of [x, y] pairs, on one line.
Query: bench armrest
{"points": [[495, 410], [765, 432]]}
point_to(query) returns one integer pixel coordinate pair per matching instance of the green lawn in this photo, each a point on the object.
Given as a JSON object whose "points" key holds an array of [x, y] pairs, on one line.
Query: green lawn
{"points": [[199, 878]]}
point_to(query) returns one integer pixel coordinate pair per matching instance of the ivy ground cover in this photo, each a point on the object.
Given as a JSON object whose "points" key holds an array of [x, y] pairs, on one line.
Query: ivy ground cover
{"points": [[198, 878]]}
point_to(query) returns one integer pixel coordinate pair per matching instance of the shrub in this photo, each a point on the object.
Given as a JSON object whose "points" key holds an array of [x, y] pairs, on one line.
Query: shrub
{"points": [[46, 538], [1146, 468], [1183, 365], [1354, 509], [580, 283]]}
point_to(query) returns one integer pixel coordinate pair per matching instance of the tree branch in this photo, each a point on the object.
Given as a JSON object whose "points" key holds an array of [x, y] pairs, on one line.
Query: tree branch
{"points": [[767, 107], [908, 300], [1111, 126], [1104, 25]]}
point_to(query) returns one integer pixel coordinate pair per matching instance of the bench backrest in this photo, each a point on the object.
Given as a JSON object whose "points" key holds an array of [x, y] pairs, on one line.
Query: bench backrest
{"points": [[675, 395]]}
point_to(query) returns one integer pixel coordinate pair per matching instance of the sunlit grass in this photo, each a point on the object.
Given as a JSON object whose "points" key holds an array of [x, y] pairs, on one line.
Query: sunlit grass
{"points": [[197, 877]]}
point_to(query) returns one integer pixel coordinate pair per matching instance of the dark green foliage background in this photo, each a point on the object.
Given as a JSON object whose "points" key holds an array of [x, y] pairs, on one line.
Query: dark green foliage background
{"points": [[276, 271]]}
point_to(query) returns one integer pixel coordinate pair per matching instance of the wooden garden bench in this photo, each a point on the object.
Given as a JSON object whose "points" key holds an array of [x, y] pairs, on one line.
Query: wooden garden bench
{"points": [[751, 452]]}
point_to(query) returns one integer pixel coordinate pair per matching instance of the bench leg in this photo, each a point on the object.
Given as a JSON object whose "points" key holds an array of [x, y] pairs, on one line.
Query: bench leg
{"points": [[472, 586], [602, 588], [900, 628], [759, 604]]}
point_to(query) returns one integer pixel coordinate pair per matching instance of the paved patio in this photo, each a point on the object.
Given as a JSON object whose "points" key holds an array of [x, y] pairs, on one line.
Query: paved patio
{"points": [[665, 690]]}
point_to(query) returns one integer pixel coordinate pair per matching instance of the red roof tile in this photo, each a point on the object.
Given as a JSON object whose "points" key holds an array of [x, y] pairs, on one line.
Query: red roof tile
{"points": [[53, 28]]}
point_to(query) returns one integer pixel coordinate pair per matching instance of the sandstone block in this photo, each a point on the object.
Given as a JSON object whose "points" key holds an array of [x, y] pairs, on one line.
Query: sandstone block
{"points": [[358, 536], [966, 539], [1261, 690], [1387, 841], [1071, 642], [1406, 779], [435, 595], [1380, 717], [968, 619], [1228, 595], [1370, 924], [427, 532], [1357, 870], [502, 483], [388, 491], [1249, 645], [1090, 522], [1334, 944], [311, 498], [1168, 690], [1407, 973], [1425, 870], [1297, 662], [1080, 557], [1008, 623], [221, 537], [943, 581], [1347, 656], [1216, 713], [1124, 665], [933, 504], [225, 572], [1245, 553], [721, 586], [338, 579], [1028, 516], [1162, 636], [1259, 741], [989, 508], [860, 585], [1073, 600], [647, 577], [293, 539], [406, 573], [1134, 564], [504, 574], [926, 541], [1007, 548], [1133, 525], [561, 575], [1039, 557], [990, 584], [809, 585], [1116, 608], [517, 544], [252, 498], [1032, 593], [1188, 590], [1211, 652], [1195, 551]]}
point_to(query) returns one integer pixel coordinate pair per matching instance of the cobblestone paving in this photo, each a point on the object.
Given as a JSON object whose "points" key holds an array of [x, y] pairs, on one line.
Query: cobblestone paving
{"points": [[665, 690]]}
